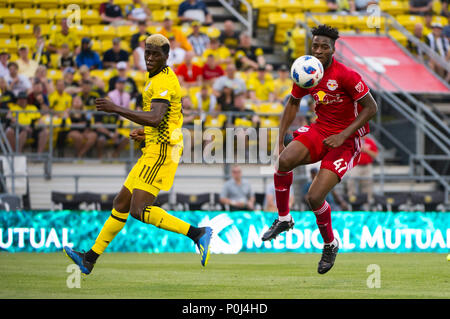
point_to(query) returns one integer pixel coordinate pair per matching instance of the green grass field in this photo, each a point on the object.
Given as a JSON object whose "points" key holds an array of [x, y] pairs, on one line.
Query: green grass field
{"points": [[243, 276]]}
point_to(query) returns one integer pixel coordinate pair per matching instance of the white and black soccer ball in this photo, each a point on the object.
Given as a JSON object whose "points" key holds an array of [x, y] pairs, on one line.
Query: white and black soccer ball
{"points": [[307, 71]]}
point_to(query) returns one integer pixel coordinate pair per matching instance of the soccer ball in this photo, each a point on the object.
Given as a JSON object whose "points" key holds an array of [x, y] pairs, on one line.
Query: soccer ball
{"points": [[307, 71]]}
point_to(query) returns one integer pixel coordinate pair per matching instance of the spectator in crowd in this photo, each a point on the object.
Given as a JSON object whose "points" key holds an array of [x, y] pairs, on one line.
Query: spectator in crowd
{"points": [[341, 5], [189, 114], [418, 33], [194, 10], [142, 30], [229, 37], [72, 86], [361, 5], [221, 53], [137, 11], [168, 30], [39, 51], [420, 7], [237, 192], [58, 37], [198, 39], [60, 100], [82, 135], [333, 198], [88, 95], [211, 70], [248, 56], [189, 74], [119, 96], [364, 168], [41, 75], [244, 112], [26, 65], [6, 98], [4, 57], [237, 84], [270, 204], [17, 82], [282, 84], [114, 55], [105, 134], [176, 53], [130, 84], [87, 56], [444, 8], [38, 98], [225, 101], [440, 44], [138, 55], [66, 58], [111, 13], [27, 122], [261, 88], [205, 101]]}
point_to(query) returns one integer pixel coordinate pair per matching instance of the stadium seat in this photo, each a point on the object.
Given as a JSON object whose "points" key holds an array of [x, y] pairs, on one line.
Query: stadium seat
{"points": [[160, 15], [264, 7], [356, 202], [315, 5], [10, 202], [290, 6], [66, 3], [138, 77], [90, 17], [3, 3], [241, 122], [268, 122], [19, 4], [281, 22], [394, 7], [155, 4], [10, 15], [270, 109], [334, 20], [126, 31], [10, 45], [103, 32], [36, 16], [399, 37], [97, 46], [66, 200], [47, 29], [56, 15], [46, 4], [217, 122], [94, 4], [193, 201], [210, 31], [123, 4], [82, 31], [408, 21], [5, 31], [28, 42], [172, 5], [104, 75], [20, 30], [396, 201], [430, 201], [54, 74]]}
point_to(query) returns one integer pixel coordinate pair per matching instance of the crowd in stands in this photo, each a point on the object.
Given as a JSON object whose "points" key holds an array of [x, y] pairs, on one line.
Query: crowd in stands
{"points": [[218, 70]]}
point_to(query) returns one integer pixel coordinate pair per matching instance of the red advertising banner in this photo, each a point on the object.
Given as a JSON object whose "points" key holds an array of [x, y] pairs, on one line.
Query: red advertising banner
{"points": [[381, 54]]}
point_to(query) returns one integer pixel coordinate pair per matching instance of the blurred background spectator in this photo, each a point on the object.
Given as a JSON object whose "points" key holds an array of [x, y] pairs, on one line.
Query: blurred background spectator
{"points": [[130, 84], [420, 7], [142, 30], [114, 55], [247, 55], [4, 57], [65, 35], [237, 192], [229, 36], [138, 55], [137, 11], [87, 56], [194, 10], [111, 13], [17, 82], [270, 204], [26, 65], [198, 39], [189, 74]]}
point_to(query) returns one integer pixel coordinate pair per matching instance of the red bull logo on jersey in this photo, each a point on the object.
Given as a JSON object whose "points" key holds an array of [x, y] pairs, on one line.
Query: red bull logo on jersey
{"points": [[326, 98], [332, 85]]}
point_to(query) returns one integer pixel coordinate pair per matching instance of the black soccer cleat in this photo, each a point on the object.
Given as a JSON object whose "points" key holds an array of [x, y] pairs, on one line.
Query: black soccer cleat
{"points": [[277, 228], [79, 259], [329, 253]]}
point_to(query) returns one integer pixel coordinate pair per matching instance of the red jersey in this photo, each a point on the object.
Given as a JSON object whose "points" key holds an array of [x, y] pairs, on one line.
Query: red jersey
{"points": [[336, 97], [209, 73], [366, 158], [189, 74]]}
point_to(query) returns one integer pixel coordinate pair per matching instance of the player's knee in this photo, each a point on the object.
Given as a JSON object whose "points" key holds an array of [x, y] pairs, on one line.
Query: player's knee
{"points": [[314, 200], [284, 163]]}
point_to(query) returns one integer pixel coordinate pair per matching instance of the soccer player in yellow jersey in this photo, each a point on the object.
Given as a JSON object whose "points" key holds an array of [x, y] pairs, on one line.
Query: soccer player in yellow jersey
{"points": [[162, 120]]}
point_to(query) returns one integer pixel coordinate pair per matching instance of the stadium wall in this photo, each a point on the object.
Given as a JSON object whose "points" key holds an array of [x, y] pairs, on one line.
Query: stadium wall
{"points": [[398, 232]]}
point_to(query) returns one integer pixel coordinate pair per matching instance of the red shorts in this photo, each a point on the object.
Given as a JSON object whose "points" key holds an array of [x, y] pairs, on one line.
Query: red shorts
{"points": [[338, 160]]}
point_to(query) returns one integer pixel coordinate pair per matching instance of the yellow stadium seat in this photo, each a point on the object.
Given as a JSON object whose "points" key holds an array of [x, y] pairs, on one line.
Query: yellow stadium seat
{"points": [[398, 36], [290, 6], [215, 121], [35, 16], [10, 45], [154, 4], [97, 46], [104, 75], [160, 15], [282, 22], [46, 4], [357, 22], [3, 3], [394, 7], [20, 30], [315, 5], [5, 31], [172, 5], [90, 17], [82, 31], [439, 19], [269, 122], [408, 21], [10, 15], [47, 29], [56, 15], [19, 4], [126, 31], [28, 42], [270, 108], [138, 77], [94, 4], [54, 74], [264, 7], [66, 3], [334, 20], [154, 29], [210, 31], [240, 122], [103, 32], [299, 17]]}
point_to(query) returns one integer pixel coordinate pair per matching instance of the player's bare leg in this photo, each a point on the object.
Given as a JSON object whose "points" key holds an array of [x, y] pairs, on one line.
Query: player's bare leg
{"points": [[320, 187], [293, 155]]}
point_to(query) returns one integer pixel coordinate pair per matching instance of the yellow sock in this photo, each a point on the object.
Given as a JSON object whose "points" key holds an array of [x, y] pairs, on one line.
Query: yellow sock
{"points": [[111, 228], [160, 218]]}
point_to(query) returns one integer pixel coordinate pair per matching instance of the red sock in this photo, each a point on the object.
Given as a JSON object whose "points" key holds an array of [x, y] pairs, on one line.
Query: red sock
{"points": [[283, 182], [323, 220]]}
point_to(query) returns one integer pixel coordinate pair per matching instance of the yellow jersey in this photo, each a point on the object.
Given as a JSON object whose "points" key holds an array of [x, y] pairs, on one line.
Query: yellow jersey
{"points": [[164, 87], [25, 118]]}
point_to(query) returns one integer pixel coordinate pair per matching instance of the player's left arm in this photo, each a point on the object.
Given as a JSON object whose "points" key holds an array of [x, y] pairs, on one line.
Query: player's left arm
{"points": [[152, 118], [369, 109]]}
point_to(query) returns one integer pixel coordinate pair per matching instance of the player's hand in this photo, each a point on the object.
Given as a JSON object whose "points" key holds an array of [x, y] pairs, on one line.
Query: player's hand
{"points": [[137, 134], [105, 105], [334, 141]]}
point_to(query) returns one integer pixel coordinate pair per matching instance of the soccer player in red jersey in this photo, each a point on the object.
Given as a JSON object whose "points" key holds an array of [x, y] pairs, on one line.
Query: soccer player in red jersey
{"points": [[344, 107]]}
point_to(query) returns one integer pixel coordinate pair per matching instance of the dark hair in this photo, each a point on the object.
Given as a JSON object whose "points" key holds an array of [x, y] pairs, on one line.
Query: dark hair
{"points": [[326, 31]]}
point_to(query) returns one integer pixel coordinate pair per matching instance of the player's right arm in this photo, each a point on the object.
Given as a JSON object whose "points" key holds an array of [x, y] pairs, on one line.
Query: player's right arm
{"points": [[287, 117]]}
